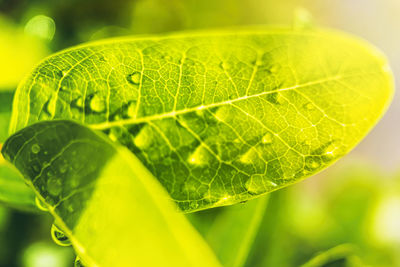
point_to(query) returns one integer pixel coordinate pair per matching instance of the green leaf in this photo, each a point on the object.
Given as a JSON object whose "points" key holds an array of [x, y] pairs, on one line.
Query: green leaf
{"points": [[218, 117], [342, 255], [13, 191], [112, 209], [5, 114], [233, 232]]}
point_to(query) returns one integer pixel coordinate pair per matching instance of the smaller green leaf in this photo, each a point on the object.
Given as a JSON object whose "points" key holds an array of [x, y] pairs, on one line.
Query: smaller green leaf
{"points": [[13, 191], [5, 113], [342, 255], [232, 233], [114, 212]]}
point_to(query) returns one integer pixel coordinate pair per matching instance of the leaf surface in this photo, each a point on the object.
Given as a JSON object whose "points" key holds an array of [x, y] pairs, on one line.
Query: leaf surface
{"points": [[112, 209], [218, 117]]}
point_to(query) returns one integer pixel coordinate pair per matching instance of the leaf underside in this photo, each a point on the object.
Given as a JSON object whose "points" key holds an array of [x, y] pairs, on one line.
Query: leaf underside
{"points": [[218, 117], [112, 218]]}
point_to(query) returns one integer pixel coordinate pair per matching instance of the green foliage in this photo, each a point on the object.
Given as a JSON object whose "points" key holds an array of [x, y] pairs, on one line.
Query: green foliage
{"points": [[217, 117], [5, 114], [341, 206], [239, 224], [342, 255], [19, 52], [103, 198], [13, 191]]}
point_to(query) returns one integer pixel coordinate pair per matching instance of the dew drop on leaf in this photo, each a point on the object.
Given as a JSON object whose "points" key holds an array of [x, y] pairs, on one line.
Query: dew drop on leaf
{"points": [[79, 102], [144, 138], [97, 104], [225, 65], [59, 237], [51, 105], [223, 114], [40, 204], [168, 58], [258, 62], [276, 98], [309, 106], [131, 110], [36, 167], [249, 156], [54, 185], [35, 148], [312, 162], [256, 185], [194, 205], [78, 262], [63, 168], [134, 78], [267, 138], [200, 156]]}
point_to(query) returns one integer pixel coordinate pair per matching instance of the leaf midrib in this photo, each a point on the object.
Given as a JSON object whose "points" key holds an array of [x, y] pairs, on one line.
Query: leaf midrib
{"points": [[122, 122]]}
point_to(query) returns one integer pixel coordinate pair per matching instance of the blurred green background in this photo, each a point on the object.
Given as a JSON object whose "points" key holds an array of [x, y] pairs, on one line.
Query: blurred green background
{"points": [[351, 210]]}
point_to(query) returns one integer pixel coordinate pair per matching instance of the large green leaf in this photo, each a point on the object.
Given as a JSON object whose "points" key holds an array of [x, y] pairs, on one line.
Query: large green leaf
{"points": [[112, 209], [218, 117]]}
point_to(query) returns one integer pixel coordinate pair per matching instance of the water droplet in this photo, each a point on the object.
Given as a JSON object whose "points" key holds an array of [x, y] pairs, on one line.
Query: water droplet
{"points": [[144, 138], [200, 111], [257, 184], [79, 102], [36, 167], [225, 65], [200, 156], [312, 162], [54, 186], [63, 168], [275, 98], [59, 237], [223, 114], [225, 200], [330, 150], [168, 58], [134, 78], [131, 110], [267, 138], [78, 262], [40, 204], [274, 69], [309, 106], [249, 157], [51, 105], [97, 104], [35, 148], [194, 205]]}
